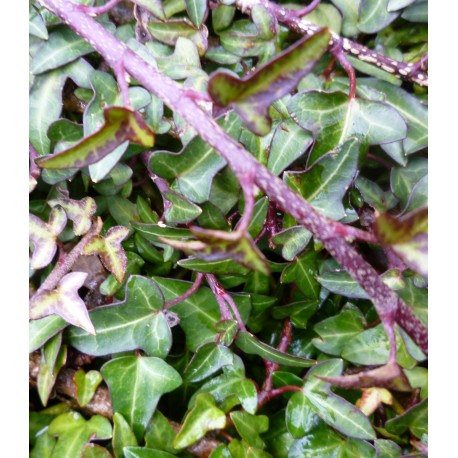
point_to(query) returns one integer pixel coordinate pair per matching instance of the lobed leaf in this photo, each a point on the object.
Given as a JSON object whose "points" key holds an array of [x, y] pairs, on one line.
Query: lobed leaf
{"points": [[78, 211], [86, 384]]}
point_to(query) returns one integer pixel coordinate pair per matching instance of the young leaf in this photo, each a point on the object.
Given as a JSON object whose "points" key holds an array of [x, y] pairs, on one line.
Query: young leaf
{"points": [[250, 427], [135, 323], [121, 124], [74, 432], [407, 236], [64, 301], [248, 343], [208, 359], [203, 417], [110, 250], [122, 435], [159, 433], [143, 452], [136, 385], [78, 211], [86, 384], [43, 237], [252, 95]]}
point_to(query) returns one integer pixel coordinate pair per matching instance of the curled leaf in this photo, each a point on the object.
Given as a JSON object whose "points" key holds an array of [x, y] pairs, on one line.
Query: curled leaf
{"points": [[79, 211], [43, 237], [109, 249], [252, 95], [121, 124], [63, 301]]}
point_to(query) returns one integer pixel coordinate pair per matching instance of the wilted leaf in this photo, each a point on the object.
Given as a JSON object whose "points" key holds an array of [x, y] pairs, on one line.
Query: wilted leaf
{"points": [[43, 237], [136, 385], [372, 398], [121, 124], [110, 250], [249, 344], [64, 301], [79, 211], [203, 417], [136, 322], [252, 95], [407, 236]]}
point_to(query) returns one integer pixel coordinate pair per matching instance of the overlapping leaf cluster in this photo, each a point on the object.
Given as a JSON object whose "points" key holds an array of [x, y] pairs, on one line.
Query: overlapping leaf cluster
{"points": [[144, 203]]}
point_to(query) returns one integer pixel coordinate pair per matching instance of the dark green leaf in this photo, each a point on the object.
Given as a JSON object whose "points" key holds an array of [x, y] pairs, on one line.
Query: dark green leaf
{"points": [[40, 331], [374, 15], [300, 415], [136, 385], [250, 344], [136, 322], [303, 272], [415, 419], [122, 435]]}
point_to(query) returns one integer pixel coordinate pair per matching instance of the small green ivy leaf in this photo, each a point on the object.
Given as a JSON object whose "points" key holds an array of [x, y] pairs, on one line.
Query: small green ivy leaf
{"points": [[208, 359], [407, 236], [160, 434], [78, 211], [415, 419], [250, 427], [136, 385], [203, 417], [86, 384], [143, 452], [181, 210], [121, 124], [197, 11], [300, 415], [122, 435], [252, 95], [153, 6], [248, 343], [74, 432], [65, 302], [43, 237], [109, 249]]}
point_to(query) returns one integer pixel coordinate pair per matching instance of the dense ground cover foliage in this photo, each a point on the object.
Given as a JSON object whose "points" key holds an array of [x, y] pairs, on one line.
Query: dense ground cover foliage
{"points": [[228, 228]]}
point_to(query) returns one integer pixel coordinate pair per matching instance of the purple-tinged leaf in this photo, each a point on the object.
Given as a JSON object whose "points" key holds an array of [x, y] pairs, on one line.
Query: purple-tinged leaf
{"points": [[79, 211], [64, 301], [121, 124], [388, 376], [43, 237], [407, 236], [109, 249], [252, 95]]}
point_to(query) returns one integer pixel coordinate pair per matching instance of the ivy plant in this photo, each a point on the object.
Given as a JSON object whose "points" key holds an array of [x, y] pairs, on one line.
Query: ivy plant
{"points": [[228, 228]]}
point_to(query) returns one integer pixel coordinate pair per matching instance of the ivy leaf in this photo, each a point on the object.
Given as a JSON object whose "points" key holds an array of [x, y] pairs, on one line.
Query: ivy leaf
{"points": [[64, 301], [62, 47], [122, 435], [74, 432], [197, 11], [203, 417], [252, 95], [250, 427], [79, 211], [242, 449], [350, 13], [136, 384], [153, 6], [289, 142], [334, 410], [121, 124], [333, 118], [248, 343], [387, 449], [137, 322], [143, 452], [95, 451], [40, 331], [326, 183], [53, 357], [407, 236], [110, 250], [37, 26], [303, 272], [194, 168], [181, 209], [208, 359], [374, 15], [415, 419], [43, 237], [86, 384], [169, 32]]}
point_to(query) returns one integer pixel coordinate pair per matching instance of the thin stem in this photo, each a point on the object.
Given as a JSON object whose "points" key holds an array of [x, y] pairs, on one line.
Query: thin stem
{"points": [[337, 51], [306, 9], [97, 10], [195, 286], [64, 264]]}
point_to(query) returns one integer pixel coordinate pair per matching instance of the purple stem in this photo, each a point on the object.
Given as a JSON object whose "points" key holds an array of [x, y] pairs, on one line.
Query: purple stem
{"points": [[195, 286], [96, 10], [386, 302], [306, 9]]}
